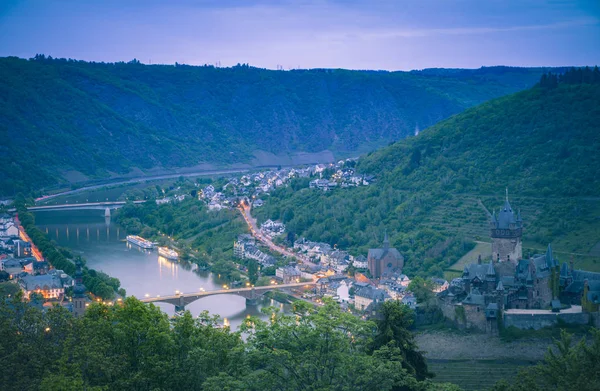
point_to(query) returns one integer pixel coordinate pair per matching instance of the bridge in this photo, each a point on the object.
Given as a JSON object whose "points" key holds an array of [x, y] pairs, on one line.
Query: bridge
{"points": [[251, 294], [87, 205]]}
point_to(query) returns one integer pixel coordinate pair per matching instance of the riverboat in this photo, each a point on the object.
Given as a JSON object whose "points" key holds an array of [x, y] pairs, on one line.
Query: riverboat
{"points": [[168, 253], [138, 241]]}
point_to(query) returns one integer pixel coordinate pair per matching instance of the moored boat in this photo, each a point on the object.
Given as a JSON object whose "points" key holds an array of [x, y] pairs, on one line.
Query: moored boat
{"points": [[139, 241], [168, 253]]}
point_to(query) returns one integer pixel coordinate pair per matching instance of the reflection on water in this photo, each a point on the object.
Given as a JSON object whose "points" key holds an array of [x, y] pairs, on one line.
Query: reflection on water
{"points": [[141, 272]]}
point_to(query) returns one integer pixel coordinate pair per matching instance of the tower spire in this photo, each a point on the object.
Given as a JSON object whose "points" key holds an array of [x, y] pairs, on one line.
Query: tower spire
{"points": [[386, 240], [506, 194]]}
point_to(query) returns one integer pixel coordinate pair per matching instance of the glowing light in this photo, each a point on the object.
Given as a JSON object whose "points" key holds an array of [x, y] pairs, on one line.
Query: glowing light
{"points": [[47, 329], [146, 295]]}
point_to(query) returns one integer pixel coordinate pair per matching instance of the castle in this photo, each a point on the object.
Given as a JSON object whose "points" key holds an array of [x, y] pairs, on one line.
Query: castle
{"points": [[507, 281]]}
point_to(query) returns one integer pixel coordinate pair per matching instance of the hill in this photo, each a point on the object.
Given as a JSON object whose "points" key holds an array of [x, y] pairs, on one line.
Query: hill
{"points": [[65, 119], [434, 191]]}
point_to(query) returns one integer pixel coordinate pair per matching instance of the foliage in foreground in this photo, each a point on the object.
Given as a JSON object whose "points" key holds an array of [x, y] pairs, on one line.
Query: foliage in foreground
{"points": [[134, 347], [569, 367]]}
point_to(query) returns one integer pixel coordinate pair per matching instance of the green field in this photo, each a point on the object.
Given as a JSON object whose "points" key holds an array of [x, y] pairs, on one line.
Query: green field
{"points": [[475, 374]]}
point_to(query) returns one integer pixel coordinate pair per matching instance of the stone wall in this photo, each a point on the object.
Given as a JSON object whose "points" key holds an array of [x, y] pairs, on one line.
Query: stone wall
{"points": [[506, 247], [538, 321], [475, 317]]}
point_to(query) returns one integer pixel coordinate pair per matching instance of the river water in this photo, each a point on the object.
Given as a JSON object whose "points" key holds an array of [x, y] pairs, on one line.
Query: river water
{"points": [[141, 272]]}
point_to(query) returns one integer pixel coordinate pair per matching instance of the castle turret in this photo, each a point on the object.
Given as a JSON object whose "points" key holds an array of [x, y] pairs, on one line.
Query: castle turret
{"points": [[506, 233]]}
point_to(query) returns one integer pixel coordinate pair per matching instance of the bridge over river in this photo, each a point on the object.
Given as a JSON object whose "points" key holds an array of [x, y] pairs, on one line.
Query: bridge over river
{"points": [[87, 205], [252, 294]]}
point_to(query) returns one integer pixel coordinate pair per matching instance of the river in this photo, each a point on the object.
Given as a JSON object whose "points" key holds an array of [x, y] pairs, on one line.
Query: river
{"points": [[102, 243]]}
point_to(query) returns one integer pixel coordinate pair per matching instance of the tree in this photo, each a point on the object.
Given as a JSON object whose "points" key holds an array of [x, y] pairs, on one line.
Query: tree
{"points": [[252, 271], [423, 290], [324, 350], [566, 367], [393, 331]]}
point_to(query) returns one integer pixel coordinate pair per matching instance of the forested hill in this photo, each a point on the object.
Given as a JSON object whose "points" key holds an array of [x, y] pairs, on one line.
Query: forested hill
{"points": [[101, 119], [542, 144]]}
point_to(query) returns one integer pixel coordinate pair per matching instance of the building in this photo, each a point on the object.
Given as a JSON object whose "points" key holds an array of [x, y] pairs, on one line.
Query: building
{"points": [[507, 281], [384, 261], [240, 245], [288, 274], [579, 287], [506, 232], [360, 262], [79, 297], [9, 230], [49, 286], [22, 249], [366, 295]]}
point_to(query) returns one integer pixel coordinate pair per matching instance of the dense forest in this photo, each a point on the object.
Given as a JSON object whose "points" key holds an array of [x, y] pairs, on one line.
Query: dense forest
{"points": [[63, 118], [432, 191]]}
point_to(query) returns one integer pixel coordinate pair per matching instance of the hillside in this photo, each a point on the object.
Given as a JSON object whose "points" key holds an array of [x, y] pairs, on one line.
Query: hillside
{"points": [[432, 190], [78, 120]]}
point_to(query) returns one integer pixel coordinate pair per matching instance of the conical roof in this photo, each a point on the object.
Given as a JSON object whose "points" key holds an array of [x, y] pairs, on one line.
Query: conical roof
{"points": [[490, 270], [550, 256], [500, 286], [386, 240], [506, 216]]}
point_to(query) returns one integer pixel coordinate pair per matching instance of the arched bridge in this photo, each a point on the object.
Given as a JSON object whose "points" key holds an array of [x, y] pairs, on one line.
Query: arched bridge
{"points": [[85, 205], [251, 294]]}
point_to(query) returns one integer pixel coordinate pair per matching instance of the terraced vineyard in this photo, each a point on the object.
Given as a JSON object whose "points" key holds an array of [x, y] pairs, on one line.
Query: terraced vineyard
{"points": [[475, 374], [570, 224]]}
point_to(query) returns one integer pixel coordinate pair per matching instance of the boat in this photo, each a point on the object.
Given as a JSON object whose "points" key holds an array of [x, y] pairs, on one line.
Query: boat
{"points": [[168, 253], [139, 241]]}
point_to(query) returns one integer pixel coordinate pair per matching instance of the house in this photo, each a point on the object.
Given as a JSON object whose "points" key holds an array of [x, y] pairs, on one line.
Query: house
{"points": [[342, 290], [272, 227], [11, 266], [360, 262], [258, 203], [9, 230], [439, 284], [366, 295], [48, 285], [22, 249], [288, 274]]}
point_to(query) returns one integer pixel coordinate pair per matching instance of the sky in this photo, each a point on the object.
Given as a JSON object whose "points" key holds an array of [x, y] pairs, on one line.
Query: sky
{"points": [[352, 34]]}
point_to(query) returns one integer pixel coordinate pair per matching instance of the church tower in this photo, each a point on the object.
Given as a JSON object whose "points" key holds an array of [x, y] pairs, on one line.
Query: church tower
{"points": [[506, 232], [79, 299]]}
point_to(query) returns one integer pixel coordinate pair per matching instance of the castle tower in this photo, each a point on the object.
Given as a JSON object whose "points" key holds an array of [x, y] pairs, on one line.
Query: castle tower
{"points": [[506, 232], [79, 299]]}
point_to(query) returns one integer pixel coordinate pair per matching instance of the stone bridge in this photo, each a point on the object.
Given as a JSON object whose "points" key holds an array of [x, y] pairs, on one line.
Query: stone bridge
{"points": [[252, 294]]}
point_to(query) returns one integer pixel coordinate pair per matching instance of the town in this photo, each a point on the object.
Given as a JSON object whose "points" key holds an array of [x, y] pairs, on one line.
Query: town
{"points": [[507, 289]]}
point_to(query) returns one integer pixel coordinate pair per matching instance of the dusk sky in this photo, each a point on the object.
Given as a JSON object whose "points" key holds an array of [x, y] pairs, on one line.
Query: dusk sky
{"points": [[392, 35]]}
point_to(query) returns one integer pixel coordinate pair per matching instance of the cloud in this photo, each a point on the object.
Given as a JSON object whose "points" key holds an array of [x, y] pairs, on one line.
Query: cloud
{"points": [[373, 34]]}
